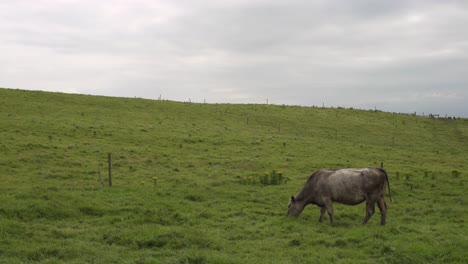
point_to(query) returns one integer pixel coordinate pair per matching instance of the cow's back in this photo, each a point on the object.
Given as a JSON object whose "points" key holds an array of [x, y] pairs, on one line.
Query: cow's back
{"points": [[351, 186]]}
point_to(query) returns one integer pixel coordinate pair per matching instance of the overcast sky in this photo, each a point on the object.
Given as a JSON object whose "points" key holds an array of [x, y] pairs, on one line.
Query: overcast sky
{"points": [[402, 56]]}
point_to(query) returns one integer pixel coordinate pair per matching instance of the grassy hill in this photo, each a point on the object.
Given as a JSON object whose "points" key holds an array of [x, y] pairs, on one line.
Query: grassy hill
{"points": [[186, 182]]}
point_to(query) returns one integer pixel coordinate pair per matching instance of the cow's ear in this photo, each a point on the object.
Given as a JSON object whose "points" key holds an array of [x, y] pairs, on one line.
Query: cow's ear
{"points": [[293, 199]]}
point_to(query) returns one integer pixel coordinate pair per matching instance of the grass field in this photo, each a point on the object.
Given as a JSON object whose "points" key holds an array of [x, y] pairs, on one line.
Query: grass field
{"points": [[186, 182]]}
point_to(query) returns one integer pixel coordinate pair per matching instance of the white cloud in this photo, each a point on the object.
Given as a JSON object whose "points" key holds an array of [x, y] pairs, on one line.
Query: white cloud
{"points": [[415, 18]]}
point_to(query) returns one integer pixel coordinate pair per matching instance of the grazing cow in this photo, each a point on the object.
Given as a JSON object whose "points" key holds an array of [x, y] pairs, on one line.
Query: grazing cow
{"points": [[346, 186]]}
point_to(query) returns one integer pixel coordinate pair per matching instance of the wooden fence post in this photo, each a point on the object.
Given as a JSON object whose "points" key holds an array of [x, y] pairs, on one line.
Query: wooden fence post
{"points": [[110, 169]]}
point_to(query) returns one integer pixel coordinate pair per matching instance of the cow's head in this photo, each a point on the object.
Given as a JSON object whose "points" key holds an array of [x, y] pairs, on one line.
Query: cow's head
{"points": [[295, 207]]}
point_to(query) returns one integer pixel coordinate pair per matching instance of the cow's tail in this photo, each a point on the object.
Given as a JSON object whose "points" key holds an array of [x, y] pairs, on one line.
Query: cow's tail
{"points": [[388, 184]]}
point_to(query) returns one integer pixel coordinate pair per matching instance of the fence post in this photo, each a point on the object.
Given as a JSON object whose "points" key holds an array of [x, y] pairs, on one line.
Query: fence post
{"points": [[110, 169], [381, 165]]}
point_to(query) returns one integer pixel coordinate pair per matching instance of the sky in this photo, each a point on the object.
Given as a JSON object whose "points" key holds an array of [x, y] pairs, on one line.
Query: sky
{"points": [[396, 56]]}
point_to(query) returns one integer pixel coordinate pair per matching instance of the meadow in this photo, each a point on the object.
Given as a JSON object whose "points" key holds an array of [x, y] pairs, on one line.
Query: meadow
{"points": [[188, 182]]}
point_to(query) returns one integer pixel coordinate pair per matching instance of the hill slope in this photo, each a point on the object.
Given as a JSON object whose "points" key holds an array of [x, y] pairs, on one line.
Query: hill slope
{"points": [[183, 190]]}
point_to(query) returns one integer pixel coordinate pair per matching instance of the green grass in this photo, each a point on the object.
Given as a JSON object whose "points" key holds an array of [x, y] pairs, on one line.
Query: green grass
{"points": [[180, 194]]}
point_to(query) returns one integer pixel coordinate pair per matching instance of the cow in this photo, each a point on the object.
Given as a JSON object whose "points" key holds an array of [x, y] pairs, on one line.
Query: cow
{"points": [[345, 186]]}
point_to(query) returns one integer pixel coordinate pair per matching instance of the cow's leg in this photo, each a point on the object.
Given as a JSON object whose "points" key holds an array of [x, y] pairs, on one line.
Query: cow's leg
{"points": [[383, 209], [322, 212], [329, 207], [370, 208]]}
